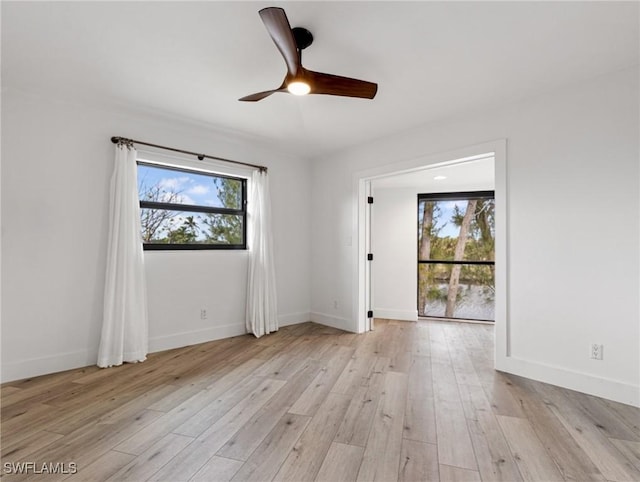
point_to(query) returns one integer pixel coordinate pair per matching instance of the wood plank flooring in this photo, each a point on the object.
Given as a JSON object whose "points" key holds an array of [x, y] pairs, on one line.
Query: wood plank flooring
{"points": [[408, 402]]}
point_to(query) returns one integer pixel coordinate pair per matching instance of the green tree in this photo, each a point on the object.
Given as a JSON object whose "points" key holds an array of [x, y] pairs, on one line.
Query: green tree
{"points": [[226, 228], [187, 233], [427, 291], [464, 221], [481, 247], [154, 222]]}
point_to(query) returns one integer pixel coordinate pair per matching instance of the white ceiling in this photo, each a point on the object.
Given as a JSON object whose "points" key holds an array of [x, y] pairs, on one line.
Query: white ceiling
{"points": [[472, 175], [431, 60]]}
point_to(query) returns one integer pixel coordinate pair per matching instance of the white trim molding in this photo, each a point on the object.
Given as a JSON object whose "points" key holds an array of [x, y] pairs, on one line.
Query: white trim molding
{"points": [[294, 318], [58, 362], [332, 321], [391, 314], [573, 380], [195, 337]]}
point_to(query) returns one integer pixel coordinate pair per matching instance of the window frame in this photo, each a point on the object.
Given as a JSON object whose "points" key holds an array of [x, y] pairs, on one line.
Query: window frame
{"points": [[197, 209], [448, 196], [452, 196]]}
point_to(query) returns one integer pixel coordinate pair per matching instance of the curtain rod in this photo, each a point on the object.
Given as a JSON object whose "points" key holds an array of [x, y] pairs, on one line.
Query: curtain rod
{"points": [[116, 139]]}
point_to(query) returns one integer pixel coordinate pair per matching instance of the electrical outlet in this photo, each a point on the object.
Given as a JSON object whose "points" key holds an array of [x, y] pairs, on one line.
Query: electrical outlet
{"points": [[335, 304], [203, 314], [596, 351]]}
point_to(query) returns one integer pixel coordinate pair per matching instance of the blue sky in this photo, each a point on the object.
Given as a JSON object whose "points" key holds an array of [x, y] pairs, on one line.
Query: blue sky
{"points": [[447, 208], [192, 188]]}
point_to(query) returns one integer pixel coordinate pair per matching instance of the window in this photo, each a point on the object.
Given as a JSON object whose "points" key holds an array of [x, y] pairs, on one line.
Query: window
{"points": [[188, 209], [456, 239]]}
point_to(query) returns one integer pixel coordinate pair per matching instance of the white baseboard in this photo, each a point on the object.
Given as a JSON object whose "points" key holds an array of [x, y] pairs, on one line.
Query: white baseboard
{"points": [[68, 361], [405, 315], [581, 382], [601, 387], [188, 338], [294, 318], [332, 321], [59, 362]]}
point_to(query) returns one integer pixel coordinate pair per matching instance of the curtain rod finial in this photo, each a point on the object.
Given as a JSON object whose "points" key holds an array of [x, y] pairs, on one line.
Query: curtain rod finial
{"points": [[115, 139]]}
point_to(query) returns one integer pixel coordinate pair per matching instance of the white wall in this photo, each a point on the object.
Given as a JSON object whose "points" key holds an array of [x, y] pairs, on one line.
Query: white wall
{"points": [[573, 228], [56, 166]]}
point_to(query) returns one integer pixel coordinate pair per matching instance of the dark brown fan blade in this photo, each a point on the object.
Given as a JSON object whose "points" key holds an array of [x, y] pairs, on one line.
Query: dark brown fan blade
{"points": [[261, 95], [335, 85], [277, 24]]}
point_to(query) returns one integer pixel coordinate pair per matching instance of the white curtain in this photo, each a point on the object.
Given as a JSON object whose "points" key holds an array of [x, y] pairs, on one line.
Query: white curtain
{"points": [[262, 316], [125, 322]]}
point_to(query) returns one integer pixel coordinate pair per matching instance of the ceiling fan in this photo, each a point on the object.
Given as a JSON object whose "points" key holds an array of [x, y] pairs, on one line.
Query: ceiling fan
{"points": [[300, 81]]}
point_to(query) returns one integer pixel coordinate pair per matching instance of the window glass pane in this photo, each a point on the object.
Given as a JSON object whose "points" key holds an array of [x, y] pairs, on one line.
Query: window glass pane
{"points": [[456, 230], [224, 228], [158, 184], [160, 226], [456, 291]]}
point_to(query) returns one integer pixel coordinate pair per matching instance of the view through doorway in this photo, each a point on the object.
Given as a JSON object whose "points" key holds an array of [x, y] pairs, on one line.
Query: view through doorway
{"points": [[456, 255], [387, 286], [391, 240]]}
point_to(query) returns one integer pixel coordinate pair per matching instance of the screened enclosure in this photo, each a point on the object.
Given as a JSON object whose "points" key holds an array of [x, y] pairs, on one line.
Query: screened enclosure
{"points": [[456, 244]]}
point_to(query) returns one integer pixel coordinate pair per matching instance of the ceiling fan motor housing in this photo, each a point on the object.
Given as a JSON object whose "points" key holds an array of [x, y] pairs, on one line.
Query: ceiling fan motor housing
{"points": [[303, 37]]}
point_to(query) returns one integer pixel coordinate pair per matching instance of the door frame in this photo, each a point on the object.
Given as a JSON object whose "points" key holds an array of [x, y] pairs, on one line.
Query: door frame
{"points": [[361, 186]]}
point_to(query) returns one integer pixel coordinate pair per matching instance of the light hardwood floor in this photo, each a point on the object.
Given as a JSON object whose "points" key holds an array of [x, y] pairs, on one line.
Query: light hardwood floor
{"points": [[407, 402]]}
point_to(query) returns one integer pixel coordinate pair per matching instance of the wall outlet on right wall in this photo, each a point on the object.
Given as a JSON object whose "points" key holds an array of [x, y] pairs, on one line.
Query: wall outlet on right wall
{"points": [[596, 351]]}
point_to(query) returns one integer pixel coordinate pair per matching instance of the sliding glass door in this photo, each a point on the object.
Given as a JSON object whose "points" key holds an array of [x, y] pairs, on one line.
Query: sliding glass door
{"points": [[456, 242]]}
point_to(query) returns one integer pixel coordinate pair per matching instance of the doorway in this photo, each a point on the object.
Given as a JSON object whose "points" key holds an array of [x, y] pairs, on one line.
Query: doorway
{"points": [[363, 268]]}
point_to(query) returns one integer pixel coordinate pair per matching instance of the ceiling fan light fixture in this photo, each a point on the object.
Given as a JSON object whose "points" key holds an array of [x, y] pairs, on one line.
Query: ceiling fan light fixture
{"points": [[298, 87]]}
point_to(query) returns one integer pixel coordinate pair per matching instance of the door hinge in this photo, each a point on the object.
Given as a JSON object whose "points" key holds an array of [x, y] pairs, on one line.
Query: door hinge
{"points": [[369, 314], [370, 200], [370, 257]]}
